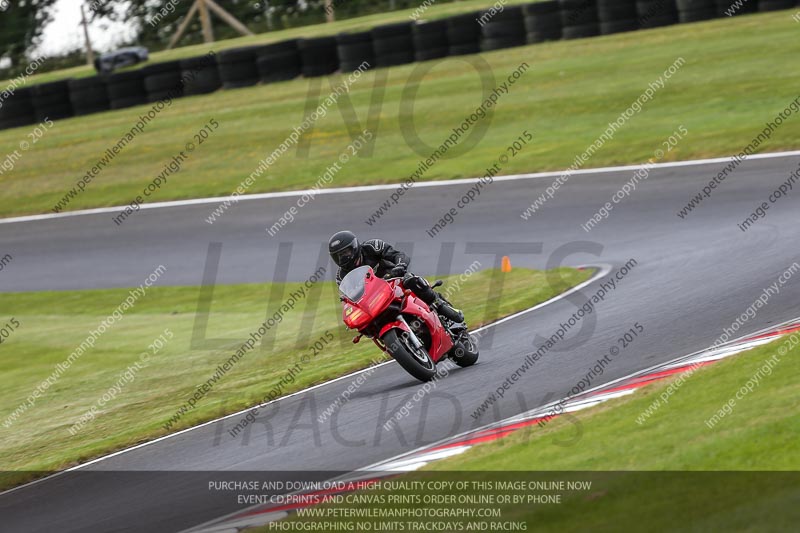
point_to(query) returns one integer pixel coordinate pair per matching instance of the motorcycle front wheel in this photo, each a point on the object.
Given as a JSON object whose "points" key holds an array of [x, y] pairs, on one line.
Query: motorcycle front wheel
{"points": [[415, 361]]}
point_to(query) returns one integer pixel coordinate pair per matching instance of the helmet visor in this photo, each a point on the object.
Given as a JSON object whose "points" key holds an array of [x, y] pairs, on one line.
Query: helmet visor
{"points": [[345, 256]]}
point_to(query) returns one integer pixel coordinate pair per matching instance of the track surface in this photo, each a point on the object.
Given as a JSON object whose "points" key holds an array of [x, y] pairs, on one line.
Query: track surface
{"points": [[694, 277]]}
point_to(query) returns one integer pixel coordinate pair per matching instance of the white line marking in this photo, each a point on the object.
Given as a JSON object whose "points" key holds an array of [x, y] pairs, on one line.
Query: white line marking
{"points": [[541, 410], [384, 187], [415, 459], [602, 271]]}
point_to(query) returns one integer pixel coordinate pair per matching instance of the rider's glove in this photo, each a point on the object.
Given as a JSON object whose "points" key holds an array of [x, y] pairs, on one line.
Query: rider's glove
{"points": [[398, 271]]}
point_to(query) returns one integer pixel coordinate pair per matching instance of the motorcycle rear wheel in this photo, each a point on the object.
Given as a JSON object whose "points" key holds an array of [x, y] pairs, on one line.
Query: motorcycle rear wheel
{"points": [[465, 352], [415, 361]]}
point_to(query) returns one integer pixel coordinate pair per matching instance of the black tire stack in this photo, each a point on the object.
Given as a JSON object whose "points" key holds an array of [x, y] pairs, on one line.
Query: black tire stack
{"points": [[163, 81], [505, 29], [617, 16], [354, 49], [727, 6], [51, 100], [430, 40], [464, 34], [278, 61], [393, 44], [775, 5], [200, 75], [88, 95], [579, 19], [696, 10], [237, 67], [126, 89], [17, 110], [318, 56], [542, 21], [656, 13]]}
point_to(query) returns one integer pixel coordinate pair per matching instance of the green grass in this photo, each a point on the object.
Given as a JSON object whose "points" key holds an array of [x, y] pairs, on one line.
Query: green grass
{"points": [[734, 80], [53, 324], [762, 432], [648, 477]]}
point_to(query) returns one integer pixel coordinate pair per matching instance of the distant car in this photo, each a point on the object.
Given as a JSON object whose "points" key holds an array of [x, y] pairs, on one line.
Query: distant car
{"points": [[124, 57]]}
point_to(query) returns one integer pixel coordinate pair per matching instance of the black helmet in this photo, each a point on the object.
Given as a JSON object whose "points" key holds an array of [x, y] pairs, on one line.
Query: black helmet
{"points": [[344, 249]]}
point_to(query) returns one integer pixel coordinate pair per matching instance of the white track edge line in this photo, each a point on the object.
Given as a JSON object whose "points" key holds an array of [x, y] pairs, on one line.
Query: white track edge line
{"points": [[374, 467], [543, 408], [602, 271], [387, 186]]}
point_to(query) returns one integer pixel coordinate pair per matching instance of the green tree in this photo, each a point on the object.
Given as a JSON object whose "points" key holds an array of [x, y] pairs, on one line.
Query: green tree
{"points": [[21, 25]]}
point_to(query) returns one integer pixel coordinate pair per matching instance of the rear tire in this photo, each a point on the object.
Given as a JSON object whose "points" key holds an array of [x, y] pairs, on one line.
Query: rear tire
{"points": [[465, 352], [416, 362]]}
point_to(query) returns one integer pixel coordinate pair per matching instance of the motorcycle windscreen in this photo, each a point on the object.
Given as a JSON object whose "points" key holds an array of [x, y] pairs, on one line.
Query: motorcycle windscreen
{"points": [[352, 286]]}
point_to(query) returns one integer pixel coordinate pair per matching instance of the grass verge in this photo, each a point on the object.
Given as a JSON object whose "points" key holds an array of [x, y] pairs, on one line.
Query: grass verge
{"points": [[53, 324], [733, 81], [671, 467]]}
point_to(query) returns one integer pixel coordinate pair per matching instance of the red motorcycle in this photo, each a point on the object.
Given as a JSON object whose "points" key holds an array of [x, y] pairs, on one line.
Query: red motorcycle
{"points": [[401, 324]]}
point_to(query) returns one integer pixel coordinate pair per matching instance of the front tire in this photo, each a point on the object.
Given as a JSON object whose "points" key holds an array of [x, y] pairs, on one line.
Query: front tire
{"points": [[415, 361]]}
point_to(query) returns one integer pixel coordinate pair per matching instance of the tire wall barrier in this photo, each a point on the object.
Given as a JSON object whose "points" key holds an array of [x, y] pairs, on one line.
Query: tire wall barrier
{"points": [[393, 44], [126, 89], [656, 13], [617, 16], [430, 40], [382, 46], [542, 21], [237, 67], [464, 34], [579, 19], [17, 109], [200, 75], [163, 80], [503, 29], [353, 49], [318, 56], [696, 10], [88, 95], [51, 100], [279, 61]]}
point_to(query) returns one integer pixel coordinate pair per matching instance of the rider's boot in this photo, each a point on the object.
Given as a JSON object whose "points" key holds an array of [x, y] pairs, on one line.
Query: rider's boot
{"points": [[448, 311]]}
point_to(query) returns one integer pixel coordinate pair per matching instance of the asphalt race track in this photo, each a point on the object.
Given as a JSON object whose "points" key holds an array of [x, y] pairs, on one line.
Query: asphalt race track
{"points": [[693, 278]]}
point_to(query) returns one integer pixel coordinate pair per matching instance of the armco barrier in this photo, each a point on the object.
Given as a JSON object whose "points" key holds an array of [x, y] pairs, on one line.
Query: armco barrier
{"points": [[391, 44], [88, 95]]}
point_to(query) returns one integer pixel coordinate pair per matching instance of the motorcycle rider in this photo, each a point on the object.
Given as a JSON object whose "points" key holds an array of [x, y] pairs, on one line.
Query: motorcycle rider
{"points": [[348, 253]]}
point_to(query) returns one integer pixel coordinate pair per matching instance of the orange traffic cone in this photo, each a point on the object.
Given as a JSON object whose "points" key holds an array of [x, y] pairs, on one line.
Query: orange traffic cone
{"points": [[506, 266]]}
